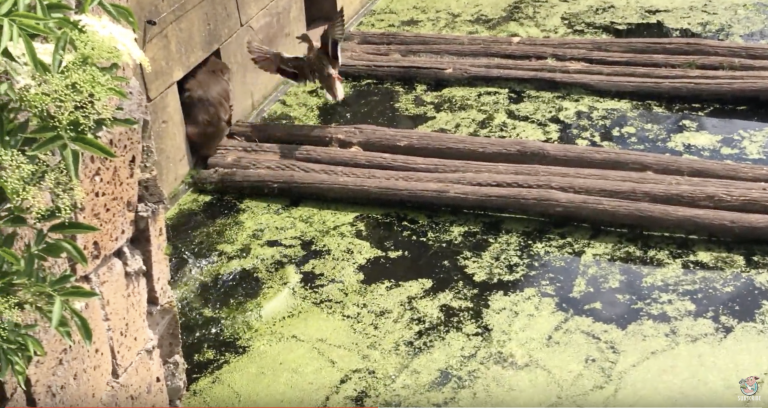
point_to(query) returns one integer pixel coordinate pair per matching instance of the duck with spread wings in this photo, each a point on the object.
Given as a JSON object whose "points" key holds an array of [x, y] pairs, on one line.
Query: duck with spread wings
{"points": [[321, 63]]}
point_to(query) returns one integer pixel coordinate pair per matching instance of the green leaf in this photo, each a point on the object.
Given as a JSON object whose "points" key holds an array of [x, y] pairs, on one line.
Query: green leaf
{"points": [[58, 307], [58, 51], [4, 7], [31, 53], [72, 160], [127, 15], [14, 221], [42, 130], [109, 10], [52, 249], [58, 7], [47, 144], [10, 256], [67, 23], [65, 332], [42, 9], [21, 5], [83, 327], [75, 293], [124, 122], [119, 92], [34, 345], [63, 280], [23, 15], [73, 250], [6, 35], [93, 146], [35, 28], [85, 6], [72, 227]]}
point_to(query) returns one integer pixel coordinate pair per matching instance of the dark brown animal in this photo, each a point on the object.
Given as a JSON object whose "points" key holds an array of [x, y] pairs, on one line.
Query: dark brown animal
{"points": [[206, 104]]}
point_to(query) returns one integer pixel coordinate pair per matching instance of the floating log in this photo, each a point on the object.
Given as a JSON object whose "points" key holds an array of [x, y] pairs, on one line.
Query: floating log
{"points": [[524, 201], [680, 86], [233, 154], [657, 46], [703, 196], [518, 51], [491, 150], [358, 61]]}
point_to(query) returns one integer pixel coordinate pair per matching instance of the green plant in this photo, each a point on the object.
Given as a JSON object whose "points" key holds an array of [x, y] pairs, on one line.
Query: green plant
{"points": [[59, 89]]}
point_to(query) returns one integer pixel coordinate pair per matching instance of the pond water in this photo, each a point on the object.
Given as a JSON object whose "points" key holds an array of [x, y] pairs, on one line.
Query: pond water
{"points": [[317, 304]]}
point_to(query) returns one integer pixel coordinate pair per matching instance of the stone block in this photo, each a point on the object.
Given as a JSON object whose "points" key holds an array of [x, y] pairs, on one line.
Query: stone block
{"points": [[163, 13], [163, 321], [249, 9], [275, 27], [165, 143], [14, 394], [125, 308], [150, 238], [76, 375], [189, 40], [143, 385], [111, 190]]}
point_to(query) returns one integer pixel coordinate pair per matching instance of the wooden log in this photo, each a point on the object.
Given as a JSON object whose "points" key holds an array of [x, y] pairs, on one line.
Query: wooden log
{"points": [[404, 68], [233, 154], [702, 196], [546, 203], [354, 60], [513, 151], [658, 46], [518, 51]]}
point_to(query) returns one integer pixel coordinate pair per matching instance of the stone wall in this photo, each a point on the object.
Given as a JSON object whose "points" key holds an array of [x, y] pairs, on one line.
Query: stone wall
{"points": [[135, 357]]}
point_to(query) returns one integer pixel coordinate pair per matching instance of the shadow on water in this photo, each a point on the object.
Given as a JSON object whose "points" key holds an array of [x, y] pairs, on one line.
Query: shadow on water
{"points": [[186, 250], [623, 305], [372, 103], [735, 298]]}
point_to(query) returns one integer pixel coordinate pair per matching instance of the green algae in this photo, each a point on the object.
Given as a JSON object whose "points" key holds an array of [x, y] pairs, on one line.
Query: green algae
{"points": [[422, 309], [342, 340], [554, 18]]}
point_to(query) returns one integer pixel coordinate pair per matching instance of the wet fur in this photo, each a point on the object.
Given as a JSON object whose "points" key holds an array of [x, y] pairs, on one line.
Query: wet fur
{"points": [[207, 108]]}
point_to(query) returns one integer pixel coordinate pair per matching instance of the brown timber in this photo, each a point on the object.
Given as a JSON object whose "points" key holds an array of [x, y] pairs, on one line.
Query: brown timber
{"points": [[518, 51], [602, 79], [233, 154], [702, 196], [356, 60], [491, 150], [657, 46], [535, 202]]}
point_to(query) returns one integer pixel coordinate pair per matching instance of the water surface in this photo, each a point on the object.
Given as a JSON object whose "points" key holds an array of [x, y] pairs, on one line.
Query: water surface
{"points": [[305, 303]]}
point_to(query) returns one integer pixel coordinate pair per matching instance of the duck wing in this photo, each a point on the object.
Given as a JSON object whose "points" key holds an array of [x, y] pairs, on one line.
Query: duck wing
{"points": [[291, 67], [331, 38]]}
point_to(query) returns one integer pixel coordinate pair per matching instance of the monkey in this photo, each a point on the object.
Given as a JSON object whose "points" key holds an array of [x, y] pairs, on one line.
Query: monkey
{"points": [[207, 108]]}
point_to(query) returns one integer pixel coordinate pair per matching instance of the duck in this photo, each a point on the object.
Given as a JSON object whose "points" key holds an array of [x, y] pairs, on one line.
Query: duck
{"points": [[206, 102], [321, 62]]}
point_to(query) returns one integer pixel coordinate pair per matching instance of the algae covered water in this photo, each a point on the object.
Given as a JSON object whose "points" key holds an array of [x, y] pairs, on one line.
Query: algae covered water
{"points": [[318, 304]]}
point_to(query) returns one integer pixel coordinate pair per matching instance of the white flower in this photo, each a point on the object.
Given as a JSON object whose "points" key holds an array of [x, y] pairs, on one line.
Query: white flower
{"points": [[22, 72], [122, 38]]}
